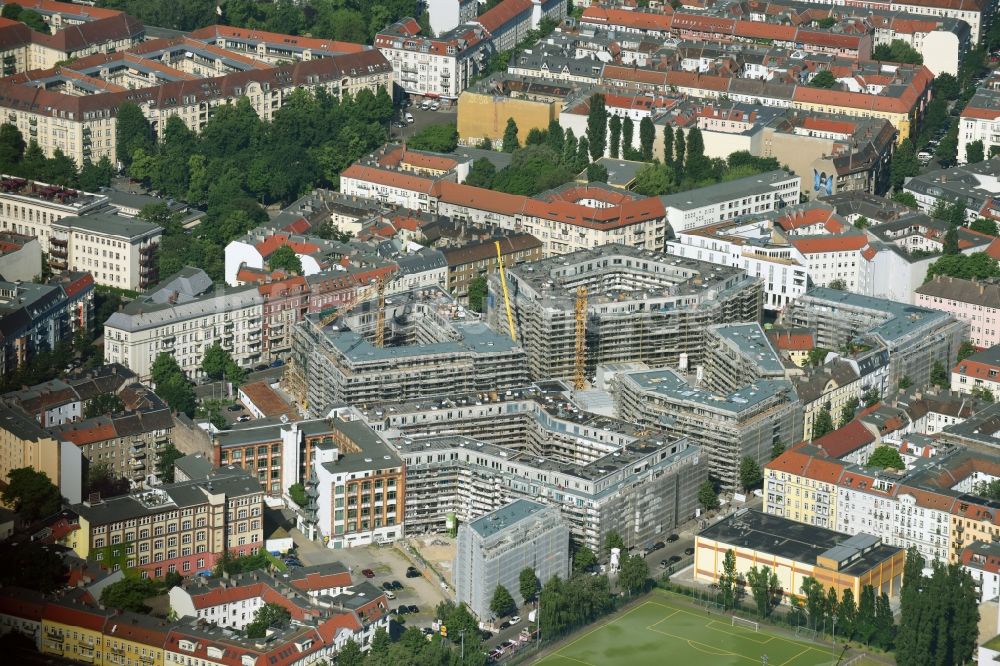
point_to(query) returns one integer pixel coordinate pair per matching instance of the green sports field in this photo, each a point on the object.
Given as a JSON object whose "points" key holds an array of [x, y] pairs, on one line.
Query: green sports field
{"points": [[666, 630]]}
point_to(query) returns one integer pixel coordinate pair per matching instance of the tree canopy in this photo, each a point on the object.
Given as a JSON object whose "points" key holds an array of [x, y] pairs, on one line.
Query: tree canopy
{"points": [[172, 385], [31, 493], [131, 593], [886, 457], [750, 473], [824, 79], [502, 603], [897, 51], [438, 138], [284, 258]]}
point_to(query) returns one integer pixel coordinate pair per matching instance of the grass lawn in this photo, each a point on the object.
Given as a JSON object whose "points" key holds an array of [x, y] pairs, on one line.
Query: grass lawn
{"points": [[667, 629]]}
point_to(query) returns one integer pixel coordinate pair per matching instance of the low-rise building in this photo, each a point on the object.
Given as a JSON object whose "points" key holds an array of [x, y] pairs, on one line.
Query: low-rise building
{"points": [[479, 259], [980, 371], [494, 548], [794, 551], [735, 198], [982, 561], [24, 443], [975, 185]]}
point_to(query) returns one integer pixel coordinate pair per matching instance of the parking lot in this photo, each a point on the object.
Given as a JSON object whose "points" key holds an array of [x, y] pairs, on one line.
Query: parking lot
{"points": [[421, 119]]}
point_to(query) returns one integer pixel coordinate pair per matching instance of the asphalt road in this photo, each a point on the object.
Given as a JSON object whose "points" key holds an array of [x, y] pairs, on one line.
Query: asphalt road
{"points": [[421, 119]]}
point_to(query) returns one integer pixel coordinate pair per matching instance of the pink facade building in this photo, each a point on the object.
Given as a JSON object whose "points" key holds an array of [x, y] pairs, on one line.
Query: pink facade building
{"points": [[975, 302]]}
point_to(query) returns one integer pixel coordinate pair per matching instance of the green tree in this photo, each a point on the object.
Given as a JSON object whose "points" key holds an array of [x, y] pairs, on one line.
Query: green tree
{"points": [[950, 245], [132, 132], [350, 655], [653, 179], [583, 559], [966, 349], [750, 474], [905, 383], [633, 574], [502, 603], [477, 293], [939, 376], [847, 614], [597, 173], [984, 226], [905, 198], [11, 146], [298, 494], [95, 176], [680, 148], [815, 595], [131, 593], [668, 146], [885, 625], [777, 449], [707, 496], [974, 152], [897, 51], [763, 585], [983, 394], [104, 403], [904, 165], [628, 135], [870, 397], [847, 412], [824, 79], [165, 462], [554, 136], [31, 493], [215, 360], [947, 87], [862, 222], [101, 479], [267, 616], [697, 166], [284, 258], [647, 134], [31, 564], [510, 142], [727, 580], [947, 151], [615, 135], [864, 624], [437, 138], [613, 540], [914, 618], [822, 423], [582, 154], [528, 584], [597, 126], [536, 137], [481, 174]]}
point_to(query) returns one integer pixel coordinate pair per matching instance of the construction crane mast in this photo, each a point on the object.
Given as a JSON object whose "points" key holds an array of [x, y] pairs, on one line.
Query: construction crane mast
{"points": [[579, 362], [380, 315], [506, 294]]}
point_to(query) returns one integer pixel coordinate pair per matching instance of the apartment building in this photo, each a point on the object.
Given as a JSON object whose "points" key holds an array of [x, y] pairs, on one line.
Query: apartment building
{"points": [[128, 442], [726, 427], [831, 387], [183, 316], [640, 305], [980, 121], [737, 355], [493, 550], [272, 47], [979, 371], [429, 348], [180, 527], [915, 337], [479, 259], [73, 630], [24, 443], [31, 207], [435, 67], [118, 251], [974, 302], [36, 317], [735, 198], [976, 185], [20, 257]]}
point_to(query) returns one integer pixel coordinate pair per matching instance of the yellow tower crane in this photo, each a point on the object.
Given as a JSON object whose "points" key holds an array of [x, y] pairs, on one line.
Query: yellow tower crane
{"points": [[579, 365], [506, 294]]}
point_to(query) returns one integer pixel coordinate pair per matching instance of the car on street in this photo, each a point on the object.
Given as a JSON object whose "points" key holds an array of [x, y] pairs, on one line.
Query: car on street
{"points": [[689, 551], [413, 609], [367, 573], [675, 558], [514, 620], [411, 572], [664, 563], [400, 124], [409, 117], [672, 538], [243, 419], [435, 106], [504, 625], [235, 408], [262, 366], [277, 363], [485, 635]]}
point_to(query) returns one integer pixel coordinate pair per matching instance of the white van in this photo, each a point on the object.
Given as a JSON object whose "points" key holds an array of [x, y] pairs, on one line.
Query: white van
{"points": [[409, 117]]}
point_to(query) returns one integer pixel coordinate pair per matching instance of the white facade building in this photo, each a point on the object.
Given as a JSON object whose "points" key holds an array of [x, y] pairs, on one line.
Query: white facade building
{"points": [[725, 201], [31, 207], [118, 251]]}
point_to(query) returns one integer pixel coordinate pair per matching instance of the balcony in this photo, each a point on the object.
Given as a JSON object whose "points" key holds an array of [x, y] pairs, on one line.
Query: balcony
{"points": [[137, 464], [58, 264], [59, 241]]}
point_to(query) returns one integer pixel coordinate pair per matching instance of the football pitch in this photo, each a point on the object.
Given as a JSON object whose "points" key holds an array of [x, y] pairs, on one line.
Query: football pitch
{"points": [[665, 629]]}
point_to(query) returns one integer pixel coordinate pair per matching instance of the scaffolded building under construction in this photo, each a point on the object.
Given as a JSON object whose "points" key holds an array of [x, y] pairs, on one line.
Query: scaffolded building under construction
{"points": [[641, 306]]}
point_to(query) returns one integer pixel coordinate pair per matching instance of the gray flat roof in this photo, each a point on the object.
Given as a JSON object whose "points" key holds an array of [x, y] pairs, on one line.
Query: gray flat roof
{"points": [[668, 383], [750, 340], [733, 189], [109, 225], [502, 518], [901, 319]]}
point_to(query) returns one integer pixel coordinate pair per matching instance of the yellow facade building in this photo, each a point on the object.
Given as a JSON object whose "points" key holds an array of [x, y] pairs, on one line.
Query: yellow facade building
{"points": [[74, 631], [483, 115], [794, 552], [134, 640]]}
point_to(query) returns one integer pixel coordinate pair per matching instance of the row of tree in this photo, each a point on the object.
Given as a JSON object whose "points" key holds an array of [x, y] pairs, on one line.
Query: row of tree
{"points": [[27, 160]]}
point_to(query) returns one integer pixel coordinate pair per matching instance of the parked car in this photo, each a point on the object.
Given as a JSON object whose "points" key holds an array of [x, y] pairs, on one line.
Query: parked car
{"points": [[435, 106], [389, 595], [427, 631], [277, 363], [235, 408], [514, 620], [367, 573], [409, 117], [396, 585], [243, 419], [675, 558], [411, 572], [387, 586], [413, 608], [664, 563], [485, 635], [672, 538], [402, 610], [658, 545], [689, 551], [400, 124], [504, 625]]}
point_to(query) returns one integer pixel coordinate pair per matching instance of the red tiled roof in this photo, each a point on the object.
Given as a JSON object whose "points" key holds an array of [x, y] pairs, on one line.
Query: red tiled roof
{"points": [[846, 243], [792, 341], [401, 180], [77, 616], [279, 39], [844, 440], [825, 125], [481, 199], [265, 399], [503, 13], [316, 581], [613, 17]]}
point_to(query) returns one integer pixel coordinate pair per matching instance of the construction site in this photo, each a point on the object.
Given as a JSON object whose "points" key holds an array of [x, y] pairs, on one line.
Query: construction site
{"points": [[415, 344], [616, 304]]}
